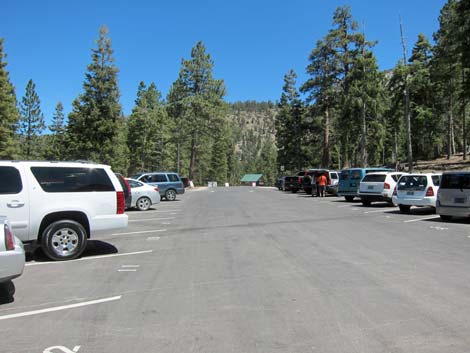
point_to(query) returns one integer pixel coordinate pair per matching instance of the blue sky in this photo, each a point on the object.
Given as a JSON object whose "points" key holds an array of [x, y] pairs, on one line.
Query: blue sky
{"points": [[253, 43]]}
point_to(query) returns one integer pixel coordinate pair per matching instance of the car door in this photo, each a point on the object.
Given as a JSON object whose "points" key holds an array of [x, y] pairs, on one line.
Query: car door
{"points": [[14, 199], [174, 182]]}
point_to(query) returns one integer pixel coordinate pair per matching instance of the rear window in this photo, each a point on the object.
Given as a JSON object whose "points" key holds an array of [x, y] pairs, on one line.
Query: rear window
{"points": [[395, 177], [356, 174], [455, 181], [371, 178], [173, 177], [10, 181], [64, 179], [436, 179], [344, 175], [134, 183], [413, 182]]}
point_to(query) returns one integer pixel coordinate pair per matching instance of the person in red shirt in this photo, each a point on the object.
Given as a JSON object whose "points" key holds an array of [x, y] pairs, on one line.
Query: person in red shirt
{"points": [[321, 185]]}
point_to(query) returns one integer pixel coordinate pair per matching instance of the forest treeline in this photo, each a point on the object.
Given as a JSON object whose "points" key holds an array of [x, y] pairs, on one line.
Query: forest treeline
{"points": [[349, 113], [192, 130]]}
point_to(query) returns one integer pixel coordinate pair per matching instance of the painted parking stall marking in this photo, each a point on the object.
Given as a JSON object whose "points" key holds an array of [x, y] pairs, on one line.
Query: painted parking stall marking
{"points": [[87, 258], [420, 219], [152, 219], [128, 268], [55, 349], [142, 232], [59, 308]]}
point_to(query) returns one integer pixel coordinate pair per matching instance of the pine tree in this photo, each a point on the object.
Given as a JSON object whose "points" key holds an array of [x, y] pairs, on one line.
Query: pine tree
{"points": [[9, 147], [195, 100], [31, 122], [58, 147], [96, 125], [149, 133]]}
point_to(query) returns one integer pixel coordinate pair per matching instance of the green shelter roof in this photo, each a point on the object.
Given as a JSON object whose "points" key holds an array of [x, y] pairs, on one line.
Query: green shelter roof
{"points": [[251, 178]]}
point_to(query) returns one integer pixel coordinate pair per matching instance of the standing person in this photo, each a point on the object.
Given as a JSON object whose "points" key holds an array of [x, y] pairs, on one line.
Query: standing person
{"points": [[322, 184], [317, 185]]}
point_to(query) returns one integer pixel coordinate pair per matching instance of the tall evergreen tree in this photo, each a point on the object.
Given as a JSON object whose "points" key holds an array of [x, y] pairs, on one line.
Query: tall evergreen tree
{"points": [[195, 100], [31, 122], [149, 131], [9, 116], [95, 125], [289, 126], [58, 144]]}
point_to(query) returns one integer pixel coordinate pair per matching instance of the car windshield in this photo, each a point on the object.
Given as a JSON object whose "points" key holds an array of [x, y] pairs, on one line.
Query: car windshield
{"points": [[413, 183], [344, 175]]}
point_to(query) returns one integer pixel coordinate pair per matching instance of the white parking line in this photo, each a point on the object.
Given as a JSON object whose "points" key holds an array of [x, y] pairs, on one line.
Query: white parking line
{"points": [[127, 270], [142, 232], [375, 211], [167, 211], [88, 258], [130, 266], [57, 308], [420, 219], [152, 219]]}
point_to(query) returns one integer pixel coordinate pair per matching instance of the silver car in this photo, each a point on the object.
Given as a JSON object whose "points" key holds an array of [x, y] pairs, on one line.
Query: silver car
{"points": [[143, 195]]}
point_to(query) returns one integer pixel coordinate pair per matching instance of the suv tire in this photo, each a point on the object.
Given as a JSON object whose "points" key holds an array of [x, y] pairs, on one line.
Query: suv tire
{"points": [[445, 217], [143, 204], [64, 240], [366, 203], [170, 195], [349, 198]]}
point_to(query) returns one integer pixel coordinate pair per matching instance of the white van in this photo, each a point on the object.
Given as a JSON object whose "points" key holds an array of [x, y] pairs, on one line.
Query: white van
{"points": [[453, 197], [58, 205]]}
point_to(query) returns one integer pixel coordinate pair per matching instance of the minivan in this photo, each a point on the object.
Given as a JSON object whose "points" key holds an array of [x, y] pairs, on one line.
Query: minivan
{"points": [[349, 180], [453, 197]]}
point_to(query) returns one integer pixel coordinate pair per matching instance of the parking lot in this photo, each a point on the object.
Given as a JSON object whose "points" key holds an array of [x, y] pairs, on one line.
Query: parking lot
{"points": [[252, 270]]}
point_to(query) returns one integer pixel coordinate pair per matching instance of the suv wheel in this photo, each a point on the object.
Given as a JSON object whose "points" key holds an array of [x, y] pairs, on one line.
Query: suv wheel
{"points": [[143, 204], [170, 195], [64, 240], [7, 291], [445, 217], [349, 198], [366, 203]]}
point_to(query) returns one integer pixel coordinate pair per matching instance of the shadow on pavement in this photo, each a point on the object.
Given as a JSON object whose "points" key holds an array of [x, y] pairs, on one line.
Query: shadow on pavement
{"points": [[94, 248]]}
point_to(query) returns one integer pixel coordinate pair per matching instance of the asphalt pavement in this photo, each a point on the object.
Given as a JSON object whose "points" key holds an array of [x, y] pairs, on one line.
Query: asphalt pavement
{"points": [[252, 270]]}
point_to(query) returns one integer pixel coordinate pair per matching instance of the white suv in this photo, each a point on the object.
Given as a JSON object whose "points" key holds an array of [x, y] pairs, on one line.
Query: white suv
{"points": [[378, 187], [58, 205]]}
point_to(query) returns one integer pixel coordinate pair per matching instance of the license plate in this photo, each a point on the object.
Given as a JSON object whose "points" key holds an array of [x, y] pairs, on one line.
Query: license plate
{"points": [[352, 184], [370, 187], [410, 193], [459, 200]]}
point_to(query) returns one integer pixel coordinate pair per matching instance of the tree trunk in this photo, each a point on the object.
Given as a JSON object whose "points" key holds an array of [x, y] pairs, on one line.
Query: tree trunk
{"points": [[192, 162], [364, 137], [326, 146], [407, 106], [464, 118]]}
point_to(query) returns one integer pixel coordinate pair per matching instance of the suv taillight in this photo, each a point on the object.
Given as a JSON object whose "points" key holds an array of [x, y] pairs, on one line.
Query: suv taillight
{"points": [[386, 186], [9, 241], [430, 192], [120, 204], [395, 191], [156, 189]]}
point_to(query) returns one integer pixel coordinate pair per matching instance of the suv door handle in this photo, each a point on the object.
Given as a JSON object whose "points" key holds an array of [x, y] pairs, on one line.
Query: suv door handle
{"points": [[15, 204]]}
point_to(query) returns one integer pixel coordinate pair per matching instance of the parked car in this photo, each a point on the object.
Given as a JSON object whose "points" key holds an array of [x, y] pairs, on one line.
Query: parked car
{"points": [[12, 258], [349, 180], [143, 195], [418, 190], [453, 197], [126, 188], [59, 205], [378, 187], [168, 183], [332, 188], [289, 181], [331, 181]]}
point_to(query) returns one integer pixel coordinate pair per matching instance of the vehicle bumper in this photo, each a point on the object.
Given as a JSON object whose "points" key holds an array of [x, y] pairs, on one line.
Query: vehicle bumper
{"points": [[424, 202], [373, 197], [180, 191], [347, 193], [455, 211], [12, 262], [109, 222], [332, 189]]}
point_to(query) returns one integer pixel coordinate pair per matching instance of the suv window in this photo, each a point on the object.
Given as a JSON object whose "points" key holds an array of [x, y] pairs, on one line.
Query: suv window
{"points": [[344, 175], [158, 178], [10, 181], [413, 183], [334, 176], [371, 178], [356, 174], [436, 179], [456, 181], [134, 184], [173, 177], [396, 177], [71, 179]]}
